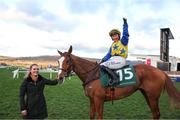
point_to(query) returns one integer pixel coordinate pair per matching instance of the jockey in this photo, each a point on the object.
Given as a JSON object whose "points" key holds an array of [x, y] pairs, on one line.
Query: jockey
{"points": [[118, 52]]}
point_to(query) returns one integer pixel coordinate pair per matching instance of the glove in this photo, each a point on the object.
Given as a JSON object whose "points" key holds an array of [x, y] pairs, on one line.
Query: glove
{"points": [[125, 20]]}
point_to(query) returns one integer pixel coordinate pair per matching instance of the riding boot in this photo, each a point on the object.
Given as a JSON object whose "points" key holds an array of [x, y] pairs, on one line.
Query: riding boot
{"points": [[111, 73]]}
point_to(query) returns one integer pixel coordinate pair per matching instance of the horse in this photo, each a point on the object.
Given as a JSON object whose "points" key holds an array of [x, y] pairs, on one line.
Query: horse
{"points": [[151, 83]]}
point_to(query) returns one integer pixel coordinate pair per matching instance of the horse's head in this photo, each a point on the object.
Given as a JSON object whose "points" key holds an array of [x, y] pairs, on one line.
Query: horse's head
{"points": [[65, 64]]}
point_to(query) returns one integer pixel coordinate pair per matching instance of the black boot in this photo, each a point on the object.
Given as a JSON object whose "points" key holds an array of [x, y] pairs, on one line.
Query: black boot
{"points": [[113, 75]]}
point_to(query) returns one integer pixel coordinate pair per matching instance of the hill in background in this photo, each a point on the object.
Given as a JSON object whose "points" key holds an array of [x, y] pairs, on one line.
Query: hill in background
{"points": [[42, 61]]}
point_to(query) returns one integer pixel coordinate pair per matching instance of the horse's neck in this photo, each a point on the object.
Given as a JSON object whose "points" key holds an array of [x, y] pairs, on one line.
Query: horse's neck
{"points": [[82, 67]]}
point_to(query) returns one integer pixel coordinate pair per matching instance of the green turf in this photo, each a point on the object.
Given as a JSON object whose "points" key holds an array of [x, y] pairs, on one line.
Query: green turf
{"points": [[68, 101]]}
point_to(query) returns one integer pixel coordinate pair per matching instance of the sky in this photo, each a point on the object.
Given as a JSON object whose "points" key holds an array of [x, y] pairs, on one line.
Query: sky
{"points": [[40, 27]]}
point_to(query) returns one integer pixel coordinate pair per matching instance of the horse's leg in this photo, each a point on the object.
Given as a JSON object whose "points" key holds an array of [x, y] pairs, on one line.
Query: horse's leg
{"points": [[99, 105], [153, 104], [92, 109], [155, 108]]}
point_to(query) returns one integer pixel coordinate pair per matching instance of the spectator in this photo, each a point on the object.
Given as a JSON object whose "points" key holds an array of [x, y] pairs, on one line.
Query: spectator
{"points": [[32, 99]]}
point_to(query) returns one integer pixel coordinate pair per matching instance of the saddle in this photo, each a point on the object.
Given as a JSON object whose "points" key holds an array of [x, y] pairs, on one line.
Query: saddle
{"points": [[121, 77]]}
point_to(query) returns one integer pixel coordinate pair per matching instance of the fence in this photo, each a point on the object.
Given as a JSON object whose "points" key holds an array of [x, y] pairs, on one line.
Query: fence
{"points": [[175, 78], [18, 71]]}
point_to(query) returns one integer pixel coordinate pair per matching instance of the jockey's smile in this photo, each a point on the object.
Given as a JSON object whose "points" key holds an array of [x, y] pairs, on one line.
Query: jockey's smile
{"points": [[115, 37]]}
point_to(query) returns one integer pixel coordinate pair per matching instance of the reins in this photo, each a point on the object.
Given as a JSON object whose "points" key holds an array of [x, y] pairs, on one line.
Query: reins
{"points": [[87, 81], [92, 69], [71, 63]]}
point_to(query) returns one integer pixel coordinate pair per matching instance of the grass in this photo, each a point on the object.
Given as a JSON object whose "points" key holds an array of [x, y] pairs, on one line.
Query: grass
{"points": [[68, 101]]}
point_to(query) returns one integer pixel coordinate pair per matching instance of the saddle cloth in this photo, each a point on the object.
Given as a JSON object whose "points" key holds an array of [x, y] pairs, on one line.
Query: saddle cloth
{"points": [[126, 77]]}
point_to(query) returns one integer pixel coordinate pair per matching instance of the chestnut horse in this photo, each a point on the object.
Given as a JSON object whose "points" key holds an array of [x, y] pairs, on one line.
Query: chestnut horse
{"points": [[151, 82]]}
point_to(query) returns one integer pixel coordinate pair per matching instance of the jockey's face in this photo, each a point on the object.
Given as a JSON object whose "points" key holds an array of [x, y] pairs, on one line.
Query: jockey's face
{"points": [[115, 37]]}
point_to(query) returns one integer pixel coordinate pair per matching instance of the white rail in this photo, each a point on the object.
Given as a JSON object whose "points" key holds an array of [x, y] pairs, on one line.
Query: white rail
{"points": [[17, 72]]}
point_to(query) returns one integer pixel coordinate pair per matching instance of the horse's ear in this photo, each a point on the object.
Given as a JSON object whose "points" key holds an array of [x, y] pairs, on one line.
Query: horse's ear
{"points": [[70, 50], [60, 52]]}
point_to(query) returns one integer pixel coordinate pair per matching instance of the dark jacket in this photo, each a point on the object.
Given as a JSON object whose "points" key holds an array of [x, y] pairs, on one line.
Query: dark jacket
{"points": [[32, 97]]}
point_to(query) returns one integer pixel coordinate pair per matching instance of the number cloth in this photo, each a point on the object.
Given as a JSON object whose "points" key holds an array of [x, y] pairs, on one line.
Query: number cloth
{"points": [[126, 76]]}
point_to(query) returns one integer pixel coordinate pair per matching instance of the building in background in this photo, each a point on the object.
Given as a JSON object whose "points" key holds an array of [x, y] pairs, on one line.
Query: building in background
{"points": [[154, 60]]}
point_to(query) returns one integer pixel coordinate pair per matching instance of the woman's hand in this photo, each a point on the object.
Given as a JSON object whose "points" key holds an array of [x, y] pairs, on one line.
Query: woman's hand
{"points": [[60, 80], [24, 112]]}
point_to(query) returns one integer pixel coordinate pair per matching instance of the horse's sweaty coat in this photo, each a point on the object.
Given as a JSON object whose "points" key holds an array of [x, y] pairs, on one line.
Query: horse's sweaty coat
{"points": [[151, 82]]}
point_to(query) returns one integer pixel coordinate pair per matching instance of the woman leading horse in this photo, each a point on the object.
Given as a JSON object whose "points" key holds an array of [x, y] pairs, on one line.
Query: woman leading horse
{"points": [[151, 82]]}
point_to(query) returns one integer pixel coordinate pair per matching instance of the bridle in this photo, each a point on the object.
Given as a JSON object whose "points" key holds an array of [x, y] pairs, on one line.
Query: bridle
{"points": [[71, 68], [66, 71]]}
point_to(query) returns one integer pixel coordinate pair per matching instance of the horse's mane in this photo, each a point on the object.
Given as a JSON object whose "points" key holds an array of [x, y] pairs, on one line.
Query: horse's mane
{"points": [[84, 68], [84, 60]]}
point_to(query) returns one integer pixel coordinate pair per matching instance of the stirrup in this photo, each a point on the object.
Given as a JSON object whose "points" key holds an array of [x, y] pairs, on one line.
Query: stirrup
{"points": [[112, 82]]}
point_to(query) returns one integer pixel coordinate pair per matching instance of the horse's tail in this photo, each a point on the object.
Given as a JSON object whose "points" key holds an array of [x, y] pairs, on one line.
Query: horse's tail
{"points": [[174, 95]]}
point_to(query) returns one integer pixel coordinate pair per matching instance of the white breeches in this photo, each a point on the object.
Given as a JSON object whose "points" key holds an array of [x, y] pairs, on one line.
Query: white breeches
{"points": [[115, 62]]}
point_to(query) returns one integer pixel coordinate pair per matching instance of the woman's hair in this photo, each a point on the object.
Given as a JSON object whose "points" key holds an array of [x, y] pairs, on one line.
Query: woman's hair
{"points": [[29, 71], [32, 66]]}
